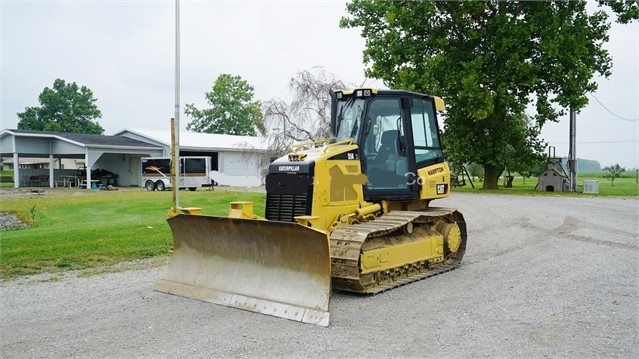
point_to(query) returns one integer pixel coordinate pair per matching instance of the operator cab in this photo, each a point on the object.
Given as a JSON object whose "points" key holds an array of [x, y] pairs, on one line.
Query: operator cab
{"points": [[396, 132]]}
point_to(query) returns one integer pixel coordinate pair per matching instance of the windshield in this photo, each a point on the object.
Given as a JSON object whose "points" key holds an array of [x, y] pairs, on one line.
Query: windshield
{"points": [[349, 117]]}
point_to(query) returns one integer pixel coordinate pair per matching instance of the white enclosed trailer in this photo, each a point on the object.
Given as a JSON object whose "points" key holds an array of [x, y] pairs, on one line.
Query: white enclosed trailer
{"points": [[194, 172]]}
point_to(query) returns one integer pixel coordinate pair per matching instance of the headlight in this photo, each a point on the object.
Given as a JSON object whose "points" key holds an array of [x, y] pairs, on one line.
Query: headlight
{"points": [[363, 93]]}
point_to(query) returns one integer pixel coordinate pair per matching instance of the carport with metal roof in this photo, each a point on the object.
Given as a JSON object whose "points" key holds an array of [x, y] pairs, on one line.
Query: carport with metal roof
{"points": [[116, 154]]}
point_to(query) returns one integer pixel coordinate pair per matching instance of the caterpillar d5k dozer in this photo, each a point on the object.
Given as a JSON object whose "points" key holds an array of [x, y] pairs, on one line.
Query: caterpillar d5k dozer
{"points": [[350, 213]]}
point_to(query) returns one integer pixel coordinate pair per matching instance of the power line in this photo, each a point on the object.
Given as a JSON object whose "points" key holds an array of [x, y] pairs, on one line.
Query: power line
{"points": [[612, 113], [591, 142]]}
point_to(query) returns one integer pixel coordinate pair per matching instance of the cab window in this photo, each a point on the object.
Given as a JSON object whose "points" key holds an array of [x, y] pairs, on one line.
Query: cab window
{"points": [[425, 131]]}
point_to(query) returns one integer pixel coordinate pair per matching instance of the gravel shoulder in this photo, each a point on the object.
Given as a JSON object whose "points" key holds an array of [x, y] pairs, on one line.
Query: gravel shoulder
{"points": [[542, 277]]}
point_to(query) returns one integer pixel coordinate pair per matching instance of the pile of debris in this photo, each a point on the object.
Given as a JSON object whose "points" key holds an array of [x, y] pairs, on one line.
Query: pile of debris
{"points": [[11, 221]]}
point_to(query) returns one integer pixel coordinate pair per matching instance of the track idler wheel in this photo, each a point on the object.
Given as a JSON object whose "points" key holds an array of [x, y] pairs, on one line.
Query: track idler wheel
{"points": [[452, 236]]}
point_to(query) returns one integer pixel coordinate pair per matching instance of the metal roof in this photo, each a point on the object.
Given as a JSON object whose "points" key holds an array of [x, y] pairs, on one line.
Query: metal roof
{"points": [[81, 139], [197, 140]]}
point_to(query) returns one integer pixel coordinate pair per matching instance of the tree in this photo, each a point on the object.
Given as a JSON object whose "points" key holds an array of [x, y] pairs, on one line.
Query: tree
{"points": [[64, 108], [612, 172], [475, 170], [532, 169], [524, 152], [490, 60], [232, 111], [625, 10], [307, 117]]}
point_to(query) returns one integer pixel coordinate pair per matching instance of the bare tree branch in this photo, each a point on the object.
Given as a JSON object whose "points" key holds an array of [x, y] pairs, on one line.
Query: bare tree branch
{"points": [[305, 118]]}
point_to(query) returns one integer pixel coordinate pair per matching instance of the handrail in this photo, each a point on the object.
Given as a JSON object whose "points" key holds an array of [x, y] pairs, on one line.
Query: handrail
{"points": [[347, 141]]}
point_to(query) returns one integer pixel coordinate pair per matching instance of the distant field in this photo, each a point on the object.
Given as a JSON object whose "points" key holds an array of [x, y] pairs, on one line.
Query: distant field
{"points": [[626, 185]]}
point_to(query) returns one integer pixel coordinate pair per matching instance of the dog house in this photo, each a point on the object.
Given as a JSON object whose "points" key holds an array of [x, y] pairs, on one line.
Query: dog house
{"points": [[551, 180]]}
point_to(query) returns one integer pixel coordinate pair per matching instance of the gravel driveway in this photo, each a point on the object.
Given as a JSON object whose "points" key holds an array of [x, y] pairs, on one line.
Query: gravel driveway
{"points": [[542, 277]]}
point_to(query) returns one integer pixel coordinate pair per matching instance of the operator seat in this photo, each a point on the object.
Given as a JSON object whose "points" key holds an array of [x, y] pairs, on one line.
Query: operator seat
{"points": [[388, 146]]}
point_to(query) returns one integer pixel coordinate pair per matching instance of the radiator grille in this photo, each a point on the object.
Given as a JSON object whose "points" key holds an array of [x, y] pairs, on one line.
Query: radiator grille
{"points": [[288, 195], [284, 207]]}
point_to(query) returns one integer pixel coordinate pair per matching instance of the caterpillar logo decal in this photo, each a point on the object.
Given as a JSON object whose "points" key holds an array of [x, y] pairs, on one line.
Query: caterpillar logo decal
{"points": [[435, 171], [288, 168]]}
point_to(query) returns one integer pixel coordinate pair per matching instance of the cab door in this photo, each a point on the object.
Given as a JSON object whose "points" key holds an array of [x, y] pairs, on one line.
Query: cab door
{"points": [[424, 133], [388, 157]]}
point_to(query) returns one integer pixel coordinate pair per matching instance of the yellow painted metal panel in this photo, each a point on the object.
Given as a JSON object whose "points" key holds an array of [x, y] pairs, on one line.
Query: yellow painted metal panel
{"points": [[398, 254]]}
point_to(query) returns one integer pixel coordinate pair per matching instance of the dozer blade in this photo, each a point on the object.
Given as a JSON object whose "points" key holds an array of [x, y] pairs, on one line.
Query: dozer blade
{"points": [[275, 268]]}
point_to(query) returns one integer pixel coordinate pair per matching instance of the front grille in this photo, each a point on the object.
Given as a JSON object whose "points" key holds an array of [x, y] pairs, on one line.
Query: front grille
{"points": [[284, 207], [288, 195]]}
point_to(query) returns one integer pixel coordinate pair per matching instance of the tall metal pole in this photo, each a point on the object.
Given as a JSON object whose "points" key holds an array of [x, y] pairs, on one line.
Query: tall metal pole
{"points": [[176, 123], [572, 151], [174, 169]]}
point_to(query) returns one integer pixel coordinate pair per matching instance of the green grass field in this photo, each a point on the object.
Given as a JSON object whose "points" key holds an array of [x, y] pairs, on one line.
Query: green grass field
{"points": [[626, 185], [99, 228]]}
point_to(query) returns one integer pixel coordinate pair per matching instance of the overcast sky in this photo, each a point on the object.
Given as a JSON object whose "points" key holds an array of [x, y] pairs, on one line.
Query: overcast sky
{"points": [[124, 51]]}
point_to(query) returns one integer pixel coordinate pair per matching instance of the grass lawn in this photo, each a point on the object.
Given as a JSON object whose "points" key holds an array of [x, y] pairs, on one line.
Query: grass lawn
{"points": [[623, 186], [88, 230], [6, 178]]}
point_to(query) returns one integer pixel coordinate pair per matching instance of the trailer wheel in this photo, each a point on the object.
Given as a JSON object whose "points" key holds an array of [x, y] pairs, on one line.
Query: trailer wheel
{"points": [[192, 188], [149, 185], [160, 185]]}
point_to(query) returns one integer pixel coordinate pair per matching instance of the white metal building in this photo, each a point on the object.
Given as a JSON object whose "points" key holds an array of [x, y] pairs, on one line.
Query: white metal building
{"points": [[115, 154], [232, 155], [121, 153]]}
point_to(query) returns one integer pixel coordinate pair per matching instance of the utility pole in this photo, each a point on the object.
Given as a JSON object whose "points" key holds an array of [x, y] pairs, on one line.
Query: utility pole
{"points": [[572, 151], [175, 130]]}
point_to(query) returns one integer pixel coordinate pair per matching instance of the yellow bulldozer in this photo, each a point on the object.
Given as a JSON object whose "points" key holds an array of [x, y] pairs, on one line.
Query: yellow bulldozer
{"points": [[349, 213]]}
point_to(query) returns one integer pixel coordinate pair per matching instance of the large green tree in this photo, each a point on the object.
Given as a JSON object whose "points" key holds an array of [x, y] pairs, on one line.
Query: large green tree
{"points": [[491, 61], [65, 108], [232, 111]]}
